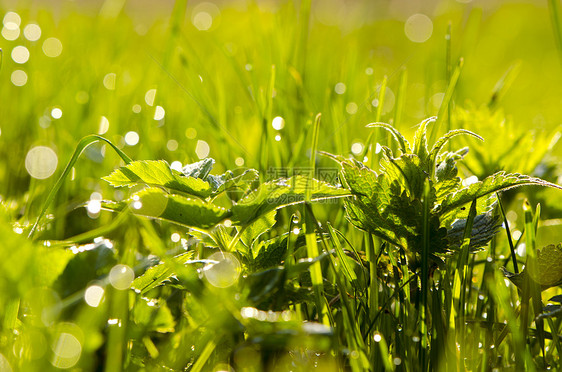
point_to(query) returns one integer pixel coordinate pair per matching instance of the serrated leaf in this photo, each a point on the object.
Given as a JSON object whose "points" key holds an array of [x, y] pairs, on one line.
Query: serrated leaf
{"points": [[155, 203], [404, 145], [547, 268], [158, 173], [498, 182], [259, 227], [200, 169], [156, 275], [229, 180], [276, 194], [420, 140], [484, 227], [444, 139], [446, 166], [272, 252], [407, 170]]}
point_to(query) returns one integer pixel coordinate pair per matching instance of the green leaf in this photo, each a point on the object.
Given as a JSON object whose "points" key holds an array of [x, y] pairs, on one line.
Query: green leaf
{"points": [[404, 145], [497, 182], [420, 140], [407, 170], [446, 166], [273, 252], [547, 270], [444, 139], [259, 227], [158, 173], [155, 203], [484, 227], [158, 274], [280, 193], [229, 180], [200, 170]]}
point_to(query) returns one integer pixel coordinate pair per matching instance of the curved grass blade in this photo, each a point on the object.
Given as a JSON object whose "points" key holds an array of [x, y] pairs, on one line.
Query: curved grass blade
{"points": [[82, 145]]}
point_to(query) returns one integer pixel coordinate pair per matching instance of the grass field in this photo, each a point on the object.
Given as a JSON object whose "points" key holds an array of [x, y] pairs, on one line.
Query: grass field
{"points": [[342, 224]]}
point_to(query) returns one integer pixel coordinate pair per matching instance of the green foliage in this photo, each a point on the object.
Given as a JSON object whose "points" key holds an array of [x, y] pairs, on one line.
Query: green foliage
{"points": [[196, 181], [215, 265], [389, 204]]}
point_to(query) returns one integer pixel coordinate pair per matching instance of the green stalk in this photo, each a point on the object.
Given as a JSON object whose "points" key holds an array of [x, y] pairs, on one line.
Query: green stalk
{"points": [[310, 231]]}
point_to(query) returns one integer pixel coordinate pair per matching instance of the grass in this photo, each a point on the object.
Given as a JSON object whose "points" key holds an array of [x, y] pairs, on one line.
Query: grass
{"points": [[317, 286]]}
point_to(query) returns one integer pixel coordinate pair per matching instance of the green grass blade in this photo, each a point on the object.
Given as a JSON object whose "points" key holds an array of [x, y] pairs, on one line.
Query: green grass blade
{"points": [[82, 145], [447, 99], [554, 9], [400, 98]]}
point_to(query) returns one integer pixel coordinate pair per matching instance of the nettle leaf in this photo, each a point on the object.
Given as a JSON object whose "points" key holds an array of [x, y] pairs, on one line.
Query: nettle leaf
{"points": [[273, 195], [259, 227], [272, 252], [200, 170], [406, 169], [545, 269], [420, 140], [404, 144], [157, 275], [433, 155], [229, 180], [158, 173], [446, 165], [155, 203], [496, 182], [484, 227]]}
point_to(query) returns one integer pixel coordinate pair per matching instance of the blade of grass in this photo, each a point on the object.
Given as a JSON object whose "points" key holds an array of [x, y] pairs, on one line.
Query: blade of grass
{"points": [[554, 10], [424, 327], [400, 98], [463, 279], [310, 231], [508, 232], [82, 145], [446, 99]]}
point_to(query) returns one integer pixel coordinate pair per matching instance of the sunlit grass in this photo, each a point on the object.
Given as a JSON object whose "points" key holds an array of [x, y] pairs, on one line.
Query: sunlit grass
{"points": [[243, 83]]}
